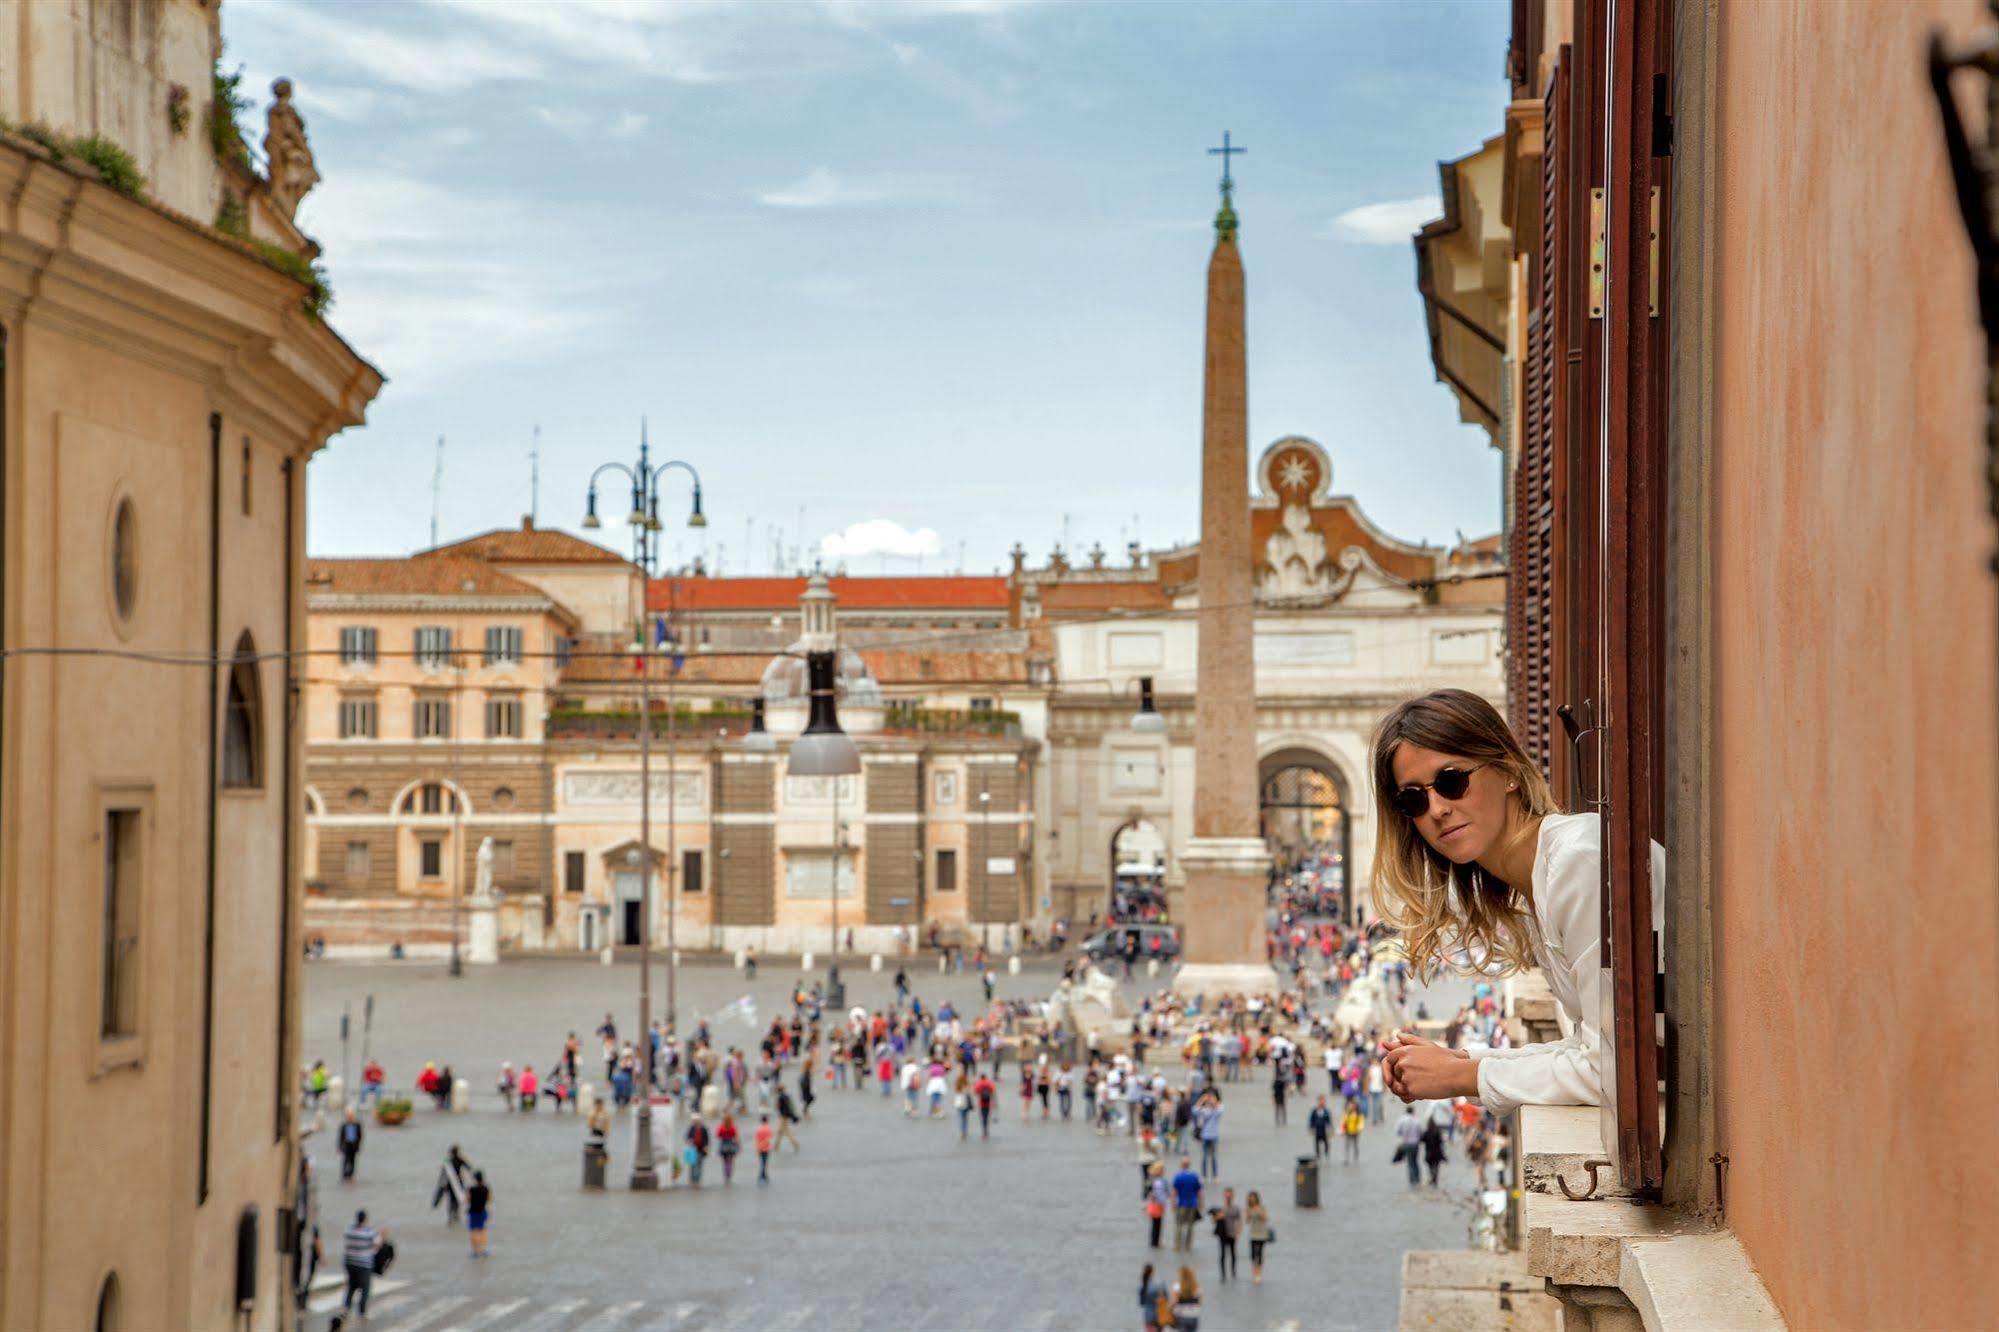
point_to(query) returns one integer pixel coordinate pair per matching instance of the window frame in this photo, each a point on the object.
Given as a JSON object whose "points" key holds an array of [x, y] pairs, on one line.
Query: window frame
{"points": [[123, 1049], [360, 645], [507, 654], [431, 705], [243, 698], [372, 715], [505, 704], [367, 869], [432, 657], [428, 848]]}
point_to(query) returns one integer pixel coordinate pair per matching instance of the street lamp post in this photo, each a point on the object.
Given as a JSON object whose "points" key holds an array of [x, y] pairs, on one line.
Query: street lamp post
{"points": [[645, 480], [452, 794], [985, 869], [823, 749]]}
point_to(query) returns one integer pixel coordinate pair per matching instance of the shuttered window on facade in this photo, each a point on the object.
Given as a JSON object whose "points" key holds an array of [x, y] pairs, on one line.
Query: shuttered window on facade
{"points": [[1586, 614]]}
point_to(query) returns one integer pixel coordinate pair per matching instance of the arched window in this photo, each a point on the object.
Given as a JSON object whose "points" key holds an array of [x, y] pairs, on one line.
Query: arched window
{"points": [[243, 724], [429, 798]]}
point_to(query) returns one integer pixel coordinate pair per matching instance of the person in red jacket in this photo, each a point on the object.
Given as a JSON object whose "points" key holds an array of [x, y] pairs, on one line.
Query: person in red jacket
{"points": [[983, 1092], [728, 1141]]}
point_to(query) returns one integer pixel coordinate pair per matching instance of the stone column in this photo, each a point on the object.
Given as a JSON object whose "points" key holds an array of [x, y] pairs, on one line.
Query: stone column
{"points": [[1225, 862]]}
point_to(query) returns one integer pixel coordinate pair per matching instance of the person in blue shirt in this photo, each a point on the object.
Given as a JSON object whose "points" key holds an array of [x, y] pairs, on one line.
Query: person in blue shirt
{"points": [[1208, 1128], [1186, 1205]]}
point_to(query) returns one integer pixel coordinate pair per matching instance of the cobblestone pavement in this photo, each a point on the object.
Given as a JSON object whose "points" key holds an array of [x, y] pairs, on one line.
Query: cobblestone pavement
{"points": [[879, 1221]]}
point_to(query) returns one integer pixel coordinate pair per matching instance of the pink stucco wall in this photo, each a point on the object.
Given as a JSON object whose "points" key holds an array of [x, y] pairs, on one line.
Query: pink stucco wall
{"points": [[1856, 673]]}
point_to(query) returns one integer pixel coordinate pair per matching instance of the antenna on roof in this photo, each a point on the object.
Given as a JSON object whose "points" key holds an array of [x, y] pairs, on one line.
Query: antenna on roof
{"points": [[534, 478], [436, 490]]}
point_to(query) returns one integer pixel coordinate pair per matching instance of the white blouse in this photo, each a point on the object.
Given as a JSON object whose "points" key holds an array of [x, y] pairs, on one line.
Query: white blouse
{"points": [[1568, 945]]}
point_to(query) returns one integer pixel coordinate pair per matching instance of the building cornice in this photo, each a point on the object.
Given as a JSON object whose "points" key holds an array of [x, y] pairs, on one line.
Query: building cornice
{"points": [[427, 602], [144, 282]]}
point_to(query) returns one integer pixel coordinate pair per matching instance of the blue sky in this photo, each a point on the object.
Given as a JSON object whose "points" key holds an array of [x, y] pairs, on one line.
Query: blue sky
{"points": [[933, 266]]}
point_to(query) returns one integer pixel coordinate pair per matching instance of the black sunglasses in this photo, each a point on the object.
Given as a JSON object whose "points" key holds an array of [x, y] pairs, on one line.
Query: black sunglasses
{"points": [[1450, 783]]}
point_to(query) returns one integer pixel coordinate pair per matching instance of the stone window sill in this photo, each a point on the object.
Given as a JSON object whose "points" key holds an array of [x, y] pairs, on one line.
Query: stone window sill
{"points": [[1675, 1273]]}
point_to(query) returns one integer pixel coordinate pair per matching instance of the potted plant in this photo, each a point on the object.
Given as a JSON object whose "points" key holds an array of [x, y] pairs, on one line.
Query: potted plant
{"points": [[392, 1109]]}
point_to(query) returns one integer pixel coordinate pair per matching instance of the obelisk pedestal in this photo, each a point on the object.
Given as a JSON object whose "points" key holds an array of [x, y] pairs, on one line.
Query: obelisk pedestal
{"points": [[1226, 864]]}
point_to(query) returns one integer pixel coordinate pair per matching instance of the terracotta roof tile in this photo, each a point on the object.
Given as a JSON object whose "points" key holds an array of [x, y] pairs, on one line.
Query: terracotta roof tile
{"points": [[528, 544], [781, 594], [417, 575], [1069, 598], [608, 658]]}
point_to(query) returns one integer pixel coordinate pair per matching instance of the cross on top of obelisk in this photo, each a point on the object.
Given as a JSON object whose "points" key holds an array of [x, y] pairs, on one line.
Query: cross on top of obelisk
{"points": [[1225, 219], [1227, 150]]}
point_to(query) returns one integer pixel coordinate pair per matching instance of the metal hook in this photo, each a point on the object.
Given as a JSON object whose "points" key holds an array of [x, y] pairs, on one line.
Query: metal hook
{"points": [[1578, 732], [1594, 1182]]}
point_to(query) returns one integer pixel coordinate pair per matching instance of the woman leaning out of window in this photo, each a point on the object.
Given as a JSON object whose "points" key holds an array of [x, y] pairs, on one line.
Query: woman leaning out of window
{"points": [[1475, 860]]}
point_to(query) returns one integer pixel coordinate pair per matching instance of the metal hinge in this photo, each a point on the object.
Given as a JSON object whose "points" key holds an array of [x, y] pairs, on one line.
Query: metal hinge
{"points": [[1652, 265], [1596, 243]]}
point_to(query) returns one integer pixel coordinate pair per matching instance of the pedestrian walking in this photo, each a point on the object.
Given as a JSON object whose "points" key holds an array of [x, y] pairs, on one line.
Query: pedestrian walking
{"points": [[728, 1142], [1351, 1125], [478, 1211], [1065, 1081], [358, 1249], [1153, 1303], [451, 1181], [1433, 1149], [1208, 1128], [1375, 1088], [1187, 1302], [1257, 1218], [1228, 1225], [1409, 1140], [350, 1143], [961, 1101], [1321, 1123], [984, 1092], [1186, 1206], [1156, 1200], [696, 1153], [766, 1139], [1279, 1085], [787, 1118], [1026, 1089]]}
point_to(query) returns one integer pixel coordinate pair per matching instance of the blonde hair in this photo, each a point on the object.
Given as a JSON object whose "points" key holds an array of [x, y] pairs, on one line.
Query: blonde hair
{"points": [[1433, 904]]}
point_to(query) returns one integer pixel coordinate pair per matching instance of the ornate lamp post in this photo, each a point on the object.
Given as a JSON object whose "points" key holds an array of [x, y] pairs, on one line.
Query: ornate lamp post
{"points": [[645, 481], [823, 749]]}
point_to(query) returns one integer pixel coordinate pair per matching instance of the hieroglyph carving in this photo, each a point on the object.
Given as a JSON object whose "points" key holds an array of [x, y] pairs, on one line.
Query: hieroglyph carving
{"points": [[292, 172]]}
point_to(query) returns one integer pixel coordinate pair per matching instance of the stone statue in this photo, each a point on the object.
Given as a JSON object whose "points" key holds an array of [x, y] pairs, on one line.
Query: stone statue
{"points": [[1092, 1002], [1297, 557], [292, 173], [483, 883], [1368, 1006]]}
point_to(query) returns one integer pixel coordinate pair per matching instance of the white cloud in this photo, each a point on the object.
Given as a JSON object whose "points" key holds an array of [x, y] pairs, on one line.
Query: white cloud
{"points": [[904, 52], [431, 282], [821, 187], [880, 536], [447, 61], [1392, 222], [578, 123]]}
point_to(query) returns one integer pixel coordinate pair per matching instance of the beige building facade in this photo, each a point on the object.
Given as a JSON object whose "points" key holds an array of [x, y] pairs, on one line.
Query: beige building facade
{"points": [[163, 389]]}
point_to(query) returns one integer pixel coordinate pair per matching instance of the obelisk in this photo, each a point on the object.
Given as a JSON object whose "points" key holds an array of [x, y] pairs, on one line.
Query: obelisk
{"points": [[1226, 864]]}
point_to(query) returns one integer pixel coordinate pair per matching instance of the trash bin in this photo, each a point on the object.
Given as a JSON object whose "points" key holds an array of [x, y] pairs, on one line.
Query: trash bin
{"points": [[1306, 1182], [595, 1158]]}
